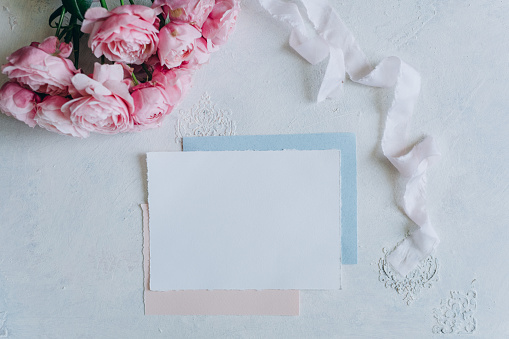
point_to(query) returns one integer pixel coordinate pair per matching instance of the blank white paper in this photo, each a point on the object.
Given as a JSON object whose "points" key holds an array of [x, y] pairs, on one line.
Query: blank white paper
{"points": [[244, 220]]}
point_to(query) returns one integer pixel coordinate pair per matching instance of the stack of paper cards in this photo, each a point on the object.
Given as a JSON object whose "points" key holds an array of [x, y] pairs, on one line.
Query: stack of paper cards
{"points": [[243, 223]]}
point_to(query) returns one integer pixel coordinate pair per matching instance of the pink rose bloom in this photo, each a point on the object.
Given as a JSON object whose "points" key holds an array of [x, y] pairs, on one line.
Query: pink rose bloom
{"points": [[106, 106], [19, 102], [221, 22], [151, 105], [43, 67], [125, 34], [176, 43], [50, 116], [176, 82], [200, 56], [193, 12]]}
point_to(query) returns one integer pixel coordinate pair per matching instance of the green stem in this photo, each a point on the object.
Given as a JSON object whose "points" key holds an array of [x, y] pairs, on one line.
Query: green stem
{"points": [[121, 2], [76, 44], [132, 2], [136, 83], [145, 68], [62, 14], [103, 4], [102, 59]]}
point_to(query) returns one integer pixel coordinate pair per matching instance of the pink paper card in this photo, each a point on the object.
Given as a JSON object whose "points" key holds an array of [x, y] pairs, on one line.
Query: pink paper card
{"points": [[213, 302]]}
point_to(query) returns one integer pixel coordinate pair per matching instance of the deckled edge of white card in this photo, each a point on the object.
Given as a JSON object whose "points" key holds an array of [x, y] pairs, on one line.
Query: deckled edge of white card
{"points": [[297, 150]]}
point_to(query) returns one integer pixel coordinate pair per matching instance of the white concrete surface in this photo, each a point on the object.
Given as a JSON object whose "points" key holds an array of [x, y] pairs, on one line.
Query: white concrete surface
{"points": [[70, 222]]}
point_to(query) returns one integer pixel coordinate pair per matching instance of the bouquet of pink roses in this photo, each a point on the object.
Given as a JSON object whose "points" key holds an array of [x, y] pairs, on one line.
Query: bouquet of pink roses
{"points": [[152, 52]]}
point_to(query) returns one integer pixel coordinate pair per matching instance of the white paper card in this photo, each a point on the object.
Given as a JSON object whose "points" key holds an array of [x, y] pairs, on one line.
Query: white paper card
{"points": [[244, 220]]}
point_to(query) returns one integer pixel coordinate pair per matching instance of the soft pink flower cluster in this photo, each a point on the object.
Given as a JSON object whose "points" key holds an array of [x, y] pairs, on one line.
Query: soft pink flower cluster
{"points": [[46, 89]]}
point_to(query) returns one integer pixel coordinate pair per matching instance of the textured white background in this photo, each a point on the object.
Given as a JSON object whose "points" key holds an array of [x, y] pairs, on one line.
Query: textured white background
{"points": [[70, 224]]}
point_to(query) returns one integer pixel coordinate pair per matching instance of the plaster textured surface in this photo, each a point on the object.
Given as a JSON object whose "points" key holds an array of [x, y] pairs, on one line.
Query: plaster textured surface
{"points": [[71, 226]]}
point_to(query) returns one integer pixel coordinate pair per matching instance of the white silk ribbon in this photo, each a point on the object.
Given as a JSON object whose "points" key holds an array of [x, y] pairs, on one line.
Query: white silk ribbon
{"points": [[330, 37]]}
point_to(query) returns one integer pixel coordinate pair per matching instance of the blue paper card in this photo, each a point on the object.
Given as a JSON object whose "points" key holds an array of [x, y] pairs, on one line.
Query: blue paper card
{"points": [[345, 142]]}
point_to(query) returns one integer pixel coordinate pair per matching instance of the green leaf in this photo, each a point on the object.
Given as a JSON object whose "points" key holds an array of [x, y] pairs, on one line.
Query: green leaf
{"points": [[77, 7], [55, 15]]}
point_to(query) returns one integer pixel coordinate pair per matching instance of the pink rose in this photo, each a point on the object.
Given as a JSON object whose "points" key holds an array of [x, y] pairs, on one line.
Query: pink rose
{"points": [[50, 116], [52, 45], [43, 67], [151, 105], [125, 34], [176, 43], [221, 22], [200, 56], [105, 106], [176, 82], [19, 102], [193, 12]]}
